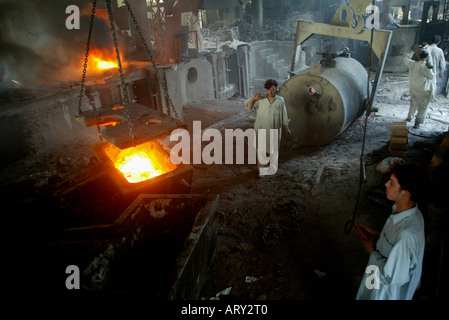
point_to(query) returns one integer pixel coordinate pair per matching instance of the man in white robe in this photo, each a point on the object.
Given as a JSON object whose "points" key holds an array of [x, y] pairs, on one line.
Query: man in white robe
{"points": [[271, 114], [421, 89], [438, 61]]}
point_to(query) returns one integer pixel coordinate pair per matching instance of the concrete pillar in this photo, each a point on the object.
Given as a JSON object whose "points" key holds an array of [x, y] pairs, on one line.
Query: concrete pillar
{"points": [[405, 13], [239, 13], [260, 14], [384, 13]]}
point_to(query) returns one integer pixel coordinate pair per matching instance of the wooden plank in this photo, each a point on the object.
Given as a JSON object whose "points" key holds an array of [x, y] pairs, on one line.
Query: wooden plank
{"points": [[396, 153], [399, 124], [399, 132], [398, 147], [398, 140]]}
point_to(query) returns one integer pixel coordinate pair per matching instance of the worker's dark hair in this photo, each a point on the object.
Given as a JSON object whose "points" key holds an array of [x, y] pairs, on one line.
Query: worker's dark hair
{"points": [[423, 54], [269, 83], [436, 39], [415, 178]]}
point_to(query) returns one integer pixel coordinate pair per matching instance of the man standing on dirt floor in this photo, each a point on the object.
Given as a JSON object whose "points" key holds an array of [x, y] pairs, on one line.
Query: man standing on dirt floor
{"points": [[271, 114], [420, 82], [394, 267], [438, 61]]}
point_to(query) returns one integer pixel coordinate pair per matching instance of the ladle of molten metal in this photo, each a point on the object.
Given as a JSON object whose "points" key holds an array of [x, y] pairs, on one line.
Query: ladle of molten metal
{"points": [[139, 157], [140, 163]]}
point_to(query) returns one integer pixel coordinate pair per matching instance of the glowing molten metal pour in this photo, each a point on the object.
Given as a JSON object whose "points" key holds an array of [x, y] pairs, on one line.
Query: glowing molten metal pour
{"points": [[101, 64], [100, 60], [140, 163]]}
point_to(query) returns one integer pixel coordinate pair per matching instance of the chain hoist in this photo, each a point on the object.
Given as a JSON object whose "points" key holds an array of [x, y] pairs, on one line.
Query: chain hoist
{"points": [[159, 77], [350, 224], [122, 78], [86, 59], [86, 55], [162, 81]]}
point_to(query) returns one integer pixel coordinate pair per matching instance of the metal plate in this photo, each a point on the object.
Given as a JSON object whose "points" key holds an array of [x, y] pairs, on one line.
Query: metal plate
{"points": [[131, 125]]}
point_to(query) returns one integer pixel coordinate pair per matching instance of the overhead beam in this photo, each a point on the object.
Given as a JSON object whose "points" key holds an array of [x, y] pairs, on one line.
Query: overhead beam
{"points": [[379, 39]]}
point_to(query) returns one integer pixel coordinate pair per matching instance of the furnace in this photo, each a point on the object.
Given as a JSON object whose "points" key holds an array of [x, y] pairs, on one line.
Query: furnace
{"points": [[132, 159], [131, 224], [133, 135], [101, 193]]}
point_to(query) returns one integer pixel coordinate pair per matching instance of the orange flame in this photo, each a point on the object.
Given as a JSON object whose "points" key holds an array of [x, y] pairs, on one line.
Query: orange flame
{"points": [[101, 60], [101, 64], [140, 163]]}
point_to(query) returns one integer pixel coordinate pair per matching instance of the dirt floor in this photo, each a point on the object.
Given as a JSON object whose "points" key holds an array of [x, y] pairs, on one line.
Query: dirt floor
{"points": [[268, 249], [280, 237]]}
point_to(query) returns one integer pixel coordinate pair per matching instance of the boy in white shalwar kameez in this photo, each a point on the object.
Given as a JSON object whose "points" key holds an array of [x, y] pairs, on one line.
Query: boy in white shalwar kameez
{"points": [[271, 114], [396, 254]]}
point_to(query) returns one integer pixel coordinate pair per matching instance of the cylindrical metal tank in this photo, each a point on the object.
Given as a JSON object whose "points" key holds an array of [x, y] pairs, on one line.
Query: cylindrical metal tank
{"points": [[322, 104]]}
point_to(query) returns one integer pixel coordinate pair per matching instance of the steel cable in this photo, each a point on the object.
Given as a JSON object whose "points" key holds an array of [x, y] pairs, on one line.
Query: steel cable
{"points": [[362, 178]]}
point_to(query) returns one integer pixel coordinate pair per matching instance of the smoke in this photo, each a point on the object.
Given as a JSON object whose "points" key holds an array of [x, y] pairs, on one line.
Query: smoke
{"points": [[36, 48]]}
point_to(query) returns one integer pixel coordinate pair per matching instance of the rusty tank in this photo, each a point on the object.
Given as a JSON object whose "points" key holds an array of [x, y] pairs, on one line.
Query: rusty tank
{"points": [[325, 99]]}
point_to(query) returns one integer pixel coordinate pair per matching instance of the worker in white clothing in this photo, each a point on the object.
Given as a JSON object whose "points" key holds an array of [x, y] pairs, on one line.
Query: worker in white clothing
{"points": [[438, 61], [396, 253], [271, 114], [420, 83]]}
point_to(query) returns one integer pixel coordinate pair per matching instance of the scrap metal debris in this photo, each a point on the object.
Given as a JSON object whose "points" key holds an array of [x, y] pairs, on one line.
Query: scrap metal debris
{"points": [[292, 223]]}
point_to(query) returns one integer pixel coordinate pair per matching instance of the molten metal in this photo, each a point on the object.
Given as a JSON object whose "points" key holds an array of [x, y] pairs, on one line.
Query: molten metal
{"points": [[140, 163], [101, 64], [101, 59]]}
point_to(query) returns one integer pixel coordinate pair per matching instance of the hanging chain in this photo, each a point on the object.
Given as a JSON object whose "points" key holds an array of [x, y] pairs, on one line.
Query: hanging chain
{"points": [[350, 223], [122, 78], [161, 80], [86, 55]]}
